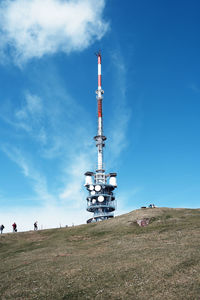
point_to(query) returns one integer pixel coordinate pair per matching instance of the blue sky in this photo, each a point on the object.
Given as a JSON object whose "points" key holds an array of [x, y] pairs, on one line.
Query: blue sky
{"points": [[48, 114]]}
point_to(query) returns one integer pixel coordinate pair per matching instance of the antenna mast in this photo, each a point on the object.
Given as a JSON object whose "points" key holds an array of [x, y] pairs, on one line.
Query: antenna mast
{"points": [[100, 138]]}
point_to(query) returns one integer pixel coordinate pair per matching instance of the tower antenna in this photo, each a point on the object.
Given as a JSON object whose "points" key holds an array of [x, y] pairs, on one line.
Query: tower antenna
{"points": [[101, 199]]}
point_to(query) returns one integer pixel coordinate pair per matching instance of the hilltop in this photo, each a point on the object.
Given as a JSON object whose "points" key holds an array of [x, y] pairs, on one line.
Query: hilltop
{"points": [[114, 259]]}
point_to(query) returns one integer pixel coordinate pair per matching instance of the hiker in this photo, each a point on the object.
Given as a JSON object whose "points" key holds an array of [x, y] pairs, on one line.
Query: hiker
{"points": [[14, 225], [35, 226], [2, 228]]}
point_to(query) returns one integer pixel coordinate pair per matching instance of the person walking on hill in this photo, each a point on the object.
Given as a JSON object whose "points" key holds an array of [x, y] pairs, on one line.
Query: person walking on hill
{"points": [[2, 228], [35, 226], [14, 225]]}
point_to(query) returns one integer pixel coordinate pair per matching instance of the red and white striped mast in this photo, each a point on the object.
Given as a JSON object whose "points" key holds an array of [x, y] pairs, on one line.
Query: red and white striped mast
{"points": [[100, 138]]}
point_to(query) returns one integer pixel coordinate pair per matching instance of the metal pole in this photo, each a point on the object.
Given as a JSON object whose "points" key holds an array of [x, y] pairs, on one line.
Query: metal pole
{"points": [[100, 143]]}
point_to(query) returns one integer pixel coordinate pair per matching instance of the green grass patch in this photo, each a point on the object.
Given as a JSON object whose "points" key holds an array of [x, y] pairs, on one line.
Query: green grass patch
{"points": [[114, 259]]}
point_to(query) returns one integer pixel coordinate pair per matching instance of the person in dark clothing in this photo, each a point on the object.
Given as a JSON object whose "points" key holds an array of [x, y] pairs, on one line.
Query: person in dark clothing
{"points": [[35, 226], [14, 225], [2, 228]]}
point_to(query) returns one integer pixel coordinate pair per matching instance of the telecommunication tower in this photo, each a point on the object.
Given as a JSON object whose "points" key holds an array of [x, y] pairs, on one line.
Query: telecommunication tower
{"points": [[101, 198]]}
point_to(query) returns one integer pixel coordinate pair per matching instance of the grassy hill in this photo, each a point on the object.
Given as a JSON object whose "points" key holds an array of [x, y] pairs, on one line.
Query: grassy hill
{"points": [[114, 259]]}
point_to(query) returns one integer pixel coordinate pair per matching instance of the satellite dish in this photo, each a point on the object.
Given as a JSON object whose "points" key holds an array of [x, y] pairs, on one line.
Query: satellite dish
{"points": [[97, 187], [91, 187], [92, 193], [93, 201], [101, 198]]}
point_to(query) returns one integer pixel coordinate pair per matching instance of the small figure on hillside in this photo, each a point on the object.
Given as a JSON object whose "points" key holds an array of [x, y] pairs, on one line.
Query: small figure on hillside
{"points": [[2, 228], [150, 205], [14, 225], [36, 226]]}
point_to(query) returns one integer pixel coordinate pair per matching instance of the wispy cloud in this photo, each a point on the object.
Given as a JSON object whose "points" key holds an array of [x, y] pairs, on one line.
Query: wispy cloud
{"points": [[38, 181], [61, 206], [29, 115], [69, 191], [32, 106], [33, 28], [194, 88], [52, 119], [125, 205], [54, 124], [121, 112], [73, 187]]}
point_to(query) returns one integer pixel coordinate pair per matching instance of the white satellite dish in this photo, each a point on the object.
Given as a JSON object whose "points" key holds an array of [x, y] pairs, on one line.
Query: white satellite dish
{"points": [[101, 198], [91, 187], [92, 193], [93, 201], [97, 187]]}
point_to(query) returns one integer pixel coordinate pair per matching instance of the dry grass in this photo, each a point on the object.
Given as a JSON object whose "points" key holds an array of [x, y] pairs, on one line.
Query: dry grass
{"points": [[115, 259]]}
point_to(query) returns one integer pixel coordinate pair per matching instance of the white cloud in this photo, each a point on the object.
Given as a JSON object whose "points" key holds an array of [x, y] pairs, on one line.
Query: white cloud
{"points": [[194, 88], [33, 105], [62, 144], [63, 206], [70, 179], [33, 28], [72, 190], [30, 117], [121, 112], [38, 181]]}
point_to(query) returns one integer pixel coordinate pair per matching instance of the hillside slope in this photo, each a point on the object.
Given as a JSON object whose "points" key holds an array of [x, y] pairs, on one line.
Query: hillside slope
{"points": [[114, 259]]}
